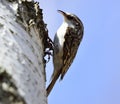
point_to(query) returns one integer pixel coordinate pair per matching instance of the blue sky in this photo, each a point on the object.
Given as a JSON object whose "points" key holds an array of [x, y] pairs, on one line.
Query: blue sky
{"points": [[94, 76]]}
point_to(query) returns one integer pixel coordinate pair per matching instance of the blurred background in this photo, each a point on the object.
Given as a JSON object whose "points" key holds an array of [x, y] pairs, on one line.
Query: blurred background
{"points": [[94, 76]]}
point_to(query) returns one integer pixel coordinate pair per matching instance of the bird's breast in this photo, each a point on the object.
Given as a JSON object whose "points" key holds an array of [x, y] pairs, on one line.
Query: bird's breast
{"points": [[61, 33]]}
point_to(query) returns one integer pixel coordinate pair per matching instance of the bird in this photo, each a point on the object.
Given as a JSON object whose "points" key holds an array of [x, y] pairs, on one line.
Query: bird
{"points": [[66, 43]]}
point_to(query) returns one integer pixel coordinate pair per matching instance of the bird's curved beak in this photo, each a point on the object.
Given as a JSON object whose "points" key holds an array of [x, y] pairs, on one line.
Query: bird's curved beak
{"points": [[63, 13]]}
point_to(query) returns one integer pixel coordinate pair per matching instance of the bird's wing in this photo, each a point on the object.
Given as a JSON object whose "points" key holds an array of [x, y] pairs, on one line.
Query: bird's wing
{"points": [[71, 44]]}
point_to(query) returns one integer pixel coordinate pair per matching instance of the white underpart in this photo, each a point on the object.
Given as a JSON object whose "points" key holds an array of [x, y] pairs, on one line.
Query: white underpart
{"points": [[59, 42], [62, 31]]}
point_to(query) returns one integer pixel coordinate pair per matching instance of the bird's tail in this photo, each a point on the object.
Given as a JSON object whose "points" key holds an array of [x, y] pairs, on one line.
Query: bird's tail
{"points": [[50, 87]]}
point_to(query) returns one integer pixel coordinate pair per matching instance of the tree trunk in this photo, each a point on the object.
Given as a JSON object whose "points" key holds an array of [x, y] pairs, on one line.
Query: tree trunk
{"points": [[23, 41]]}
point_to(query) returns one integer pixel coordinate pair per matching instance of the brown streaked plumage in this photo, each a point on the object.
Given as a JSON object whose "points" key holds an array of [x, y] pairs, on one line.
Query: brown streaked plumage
{"points": [[66, 42]]}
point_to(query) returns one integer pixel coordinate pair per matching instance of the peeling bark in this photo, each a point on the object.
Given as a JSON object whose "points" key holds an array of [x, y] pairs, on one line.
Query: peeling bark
{"points": [[23, 42]]}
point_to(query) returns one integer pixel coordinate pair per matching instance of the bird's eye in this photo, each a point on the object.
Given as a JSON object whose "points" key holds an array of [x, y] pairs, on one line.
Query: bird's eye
{"points": [[70, 18]]}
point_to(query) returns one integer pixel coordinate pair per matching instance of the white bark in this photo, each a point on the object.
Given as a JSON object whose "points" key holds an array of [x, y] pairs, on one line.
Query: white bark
{"points": [[21, 57]]}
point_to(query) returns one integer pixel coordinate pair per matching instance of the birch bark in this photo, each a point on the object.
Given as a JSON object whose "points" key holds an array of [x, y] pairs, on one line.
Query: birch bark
{"points": [[22, 40]]}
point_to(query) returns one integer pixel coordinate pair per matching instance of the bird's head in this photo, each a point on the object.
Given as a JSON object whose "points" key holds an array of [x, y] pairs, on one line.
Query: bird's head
{"points": [[67, 16], [70, 18]]}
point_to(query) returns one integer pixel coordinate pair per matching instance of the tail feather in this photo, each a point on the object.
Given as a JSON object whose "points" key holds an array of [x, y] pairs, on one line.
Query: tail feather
{"points": [[51, 85]]}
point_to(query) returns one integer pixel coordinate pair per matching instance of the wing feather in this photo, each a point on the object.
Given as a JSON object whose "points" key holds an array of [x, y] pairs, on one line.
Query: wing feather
{"points": [[72, 40]]}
